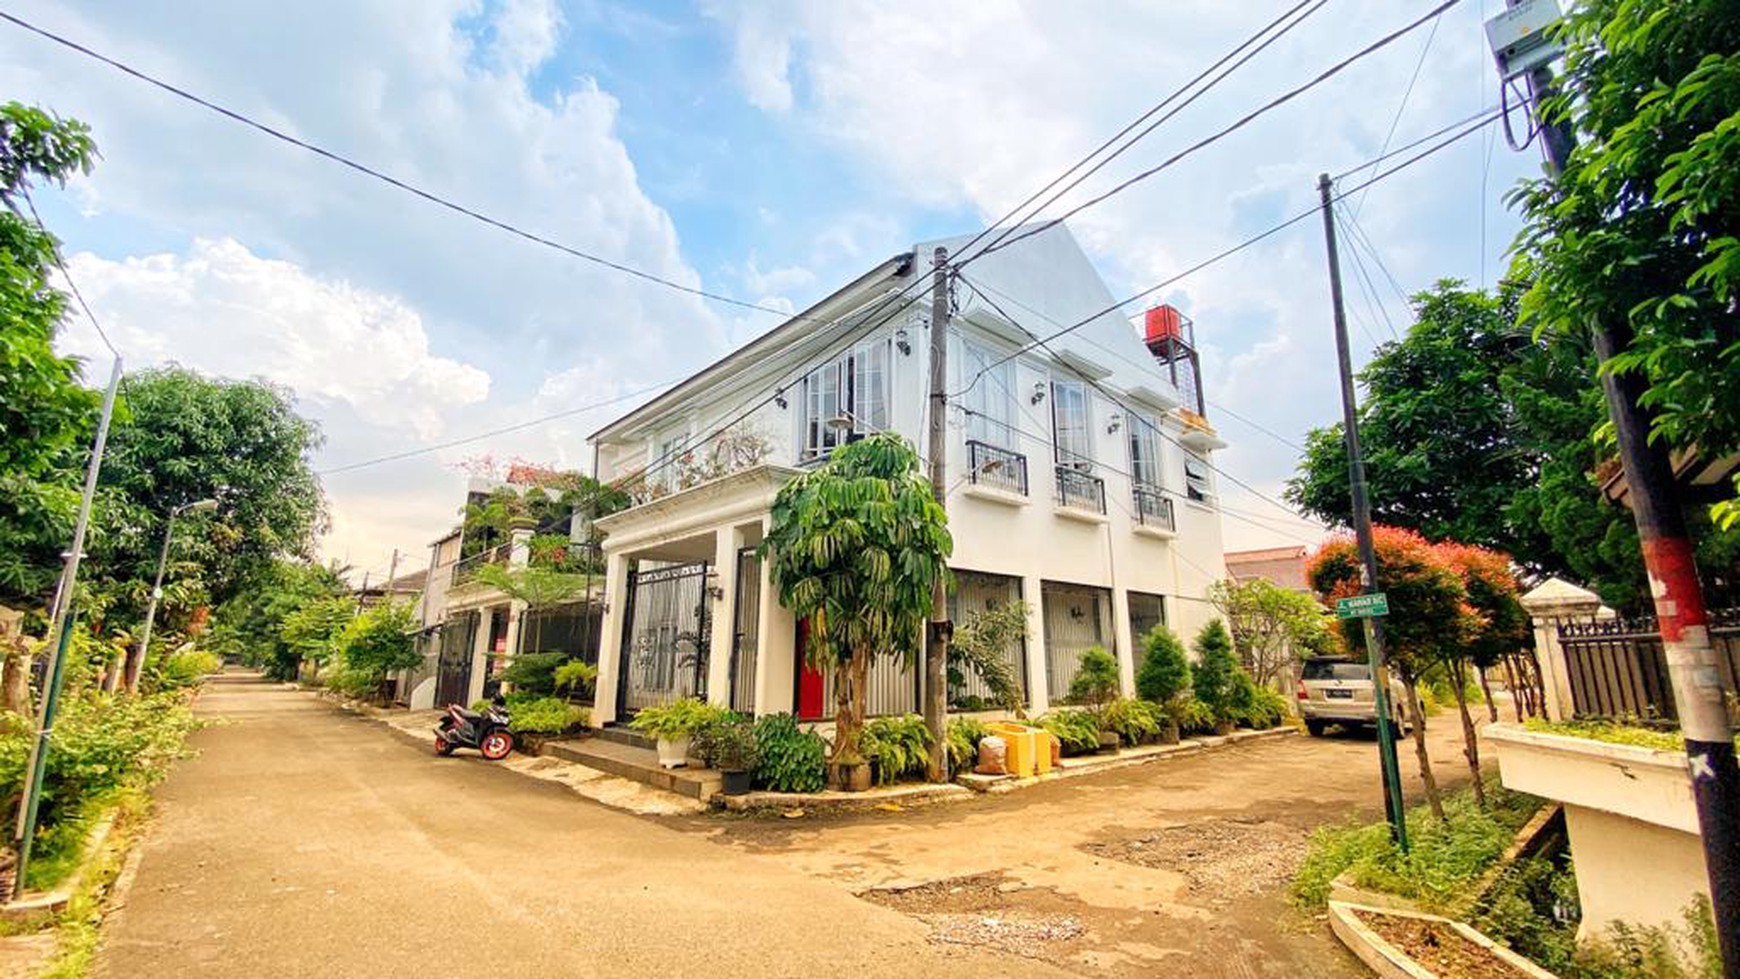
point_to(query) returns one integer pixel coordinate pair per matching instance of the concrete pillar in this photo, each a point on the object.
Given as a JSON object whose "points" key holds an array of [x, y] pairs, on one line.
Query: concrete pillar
{"points": [[519, 548], [479, 657], [610, 638], [1038, 699], [1124, 642], [722, 606], [776, 657], [516, 612], [1551, 604]]}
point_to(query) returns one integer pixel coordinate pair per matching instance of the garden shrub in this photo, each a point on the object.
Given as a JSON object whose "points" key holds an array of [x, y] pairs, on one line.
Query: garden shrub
{"points": [[1134, 721], [792, 759], [963, 735], [1444, 857], [533, 673], [546, 716], [1191, 715], [1078, 730], [678, 719], [1265, 709], [896, 746], [1096, 679], [1165, 671], [187, 668], [575, 677], [1214, 677]]}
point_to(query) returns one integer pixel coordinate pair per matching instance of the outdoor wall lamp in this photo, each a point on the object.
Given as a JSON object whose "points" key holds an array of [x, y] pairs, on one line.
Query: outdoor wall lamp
{"points": [[1075, 611], [1116, 422], [714, 591], [779, 398], [901, 344], [1038, 392]]}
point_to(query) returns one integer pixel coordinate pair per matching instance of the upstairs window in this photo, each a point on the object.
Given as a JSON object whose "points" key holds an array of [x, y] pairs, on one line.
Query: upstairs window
{"points": [[1196, 482], [853, 387], [990, 401], [1145, 451], [1069, 425]]}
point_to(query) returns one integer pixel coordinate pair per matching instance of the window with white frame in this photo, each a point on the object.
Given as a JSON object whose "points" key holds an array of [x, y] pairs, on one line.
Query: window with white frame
{"points": [[853, 387], [1145, 451], [990, 399], [1196, 482], [1069, 425], [666, 460]]}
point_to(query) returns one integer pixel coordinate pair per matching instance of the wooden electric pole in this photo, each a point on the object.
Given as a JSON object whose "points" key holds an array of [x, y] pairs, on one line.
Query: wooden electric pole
{"points": [[936, 649]]}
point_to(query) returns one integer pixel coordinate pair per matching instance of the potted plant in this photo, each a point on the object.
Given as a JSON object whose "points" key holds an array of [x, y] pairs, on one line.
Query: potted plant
{"points": [[733, 750], [674, 725], [1095, 687]]}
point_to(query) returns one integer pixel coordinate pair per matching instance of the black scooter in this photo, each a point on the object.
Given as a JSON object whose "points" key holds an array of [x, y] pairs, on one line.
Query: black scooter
{"points": [[487, 732]]}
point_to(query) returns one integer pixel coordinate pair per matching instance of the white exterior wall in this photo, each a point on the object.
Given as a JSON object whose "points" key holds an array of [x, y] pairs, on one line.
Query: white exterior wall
{"points": [[1032, 539]]}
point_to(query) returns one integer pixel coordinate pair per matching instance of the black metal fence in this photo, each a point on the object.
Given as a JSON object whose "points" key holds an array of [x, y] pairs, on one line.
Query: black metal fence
{"points": [[1617, 668], [1153, 509], [988, 465], [1081, 490]]}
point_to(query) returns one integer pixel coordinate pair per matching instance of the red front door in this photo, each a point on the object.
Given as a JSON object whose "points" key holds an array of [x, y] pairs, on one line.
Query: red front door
{"points": [[811, 692]]}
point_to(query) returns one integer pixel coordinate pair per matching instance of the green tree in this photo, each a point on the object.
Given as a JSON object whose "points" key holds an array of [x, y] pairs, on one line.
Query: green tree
{"points": [[250, 624], [1272, 627], [190, 437], [1095, 683], [1428, 615], [1640, 230], [312, 632], [980, 648], [378, 641], [1214, 677], [854, 547], [46, 414], [1165, 671]]}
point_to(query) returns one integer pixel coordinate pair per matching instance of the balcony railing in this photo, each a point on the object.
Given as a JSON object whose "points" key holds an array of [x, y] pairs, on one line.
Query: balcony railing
{"points": [[1081, 490], [987, 465], [468, 566], [1153, 509]]}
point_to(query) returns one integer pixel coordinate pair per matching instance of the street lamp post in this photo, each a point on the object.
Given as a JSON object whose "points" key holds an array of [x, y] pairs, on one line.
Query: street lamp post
{"points": [[136, 663]]}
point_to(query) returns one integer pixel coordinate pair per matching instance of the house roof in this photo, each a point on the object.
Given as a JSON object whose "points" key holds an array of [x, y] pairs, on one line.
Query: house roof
{"points": [[1265, 554], [819, 316]]}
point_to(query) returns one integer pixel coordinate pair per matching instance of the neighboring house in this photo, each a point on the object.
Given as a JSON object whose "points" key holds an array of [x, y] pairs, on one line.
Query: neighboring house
{"points": [[469, 628], [1283, 566], [1097, 509], [404, 588]]}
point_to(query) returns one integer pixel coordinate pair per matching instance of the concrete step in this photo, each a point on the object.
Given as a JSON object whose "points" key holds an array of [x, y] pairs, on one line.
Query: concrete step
{"points": [[639, 764], [626, 735]]}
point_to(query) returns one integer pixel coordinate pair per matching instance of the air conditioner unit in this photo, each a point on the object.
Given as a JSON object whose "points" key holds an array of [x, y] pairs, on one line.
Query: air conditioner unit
{"points": [[1519, 40]]}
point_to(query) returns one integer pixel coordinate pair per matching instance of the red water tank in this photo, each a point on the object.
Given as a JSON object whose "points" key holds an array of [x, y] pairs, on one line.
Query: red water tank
{"points": [[1163, 323]]}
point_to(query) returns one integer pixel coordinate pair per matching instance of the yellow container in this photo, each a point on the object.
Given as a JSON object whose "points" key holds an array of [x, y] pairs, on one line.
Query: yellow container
{"points": [[1022, 758]]}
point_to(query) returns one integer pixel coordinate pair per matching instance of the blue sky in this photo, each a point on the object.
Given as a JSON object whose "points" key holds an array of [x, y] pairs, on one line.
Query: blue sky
{"points": [[769, 151]]}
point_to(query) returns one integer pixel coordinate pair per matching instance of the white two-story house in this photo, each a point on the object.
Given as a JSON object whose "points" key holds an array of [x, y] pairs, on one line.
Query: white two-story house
{"points": [[1079, 480]]}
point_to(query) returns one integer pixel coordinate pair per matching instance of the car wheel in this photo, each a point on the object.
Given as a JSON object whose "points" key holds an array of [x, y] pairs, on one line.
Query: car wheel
{"points": [[1315, 728]]}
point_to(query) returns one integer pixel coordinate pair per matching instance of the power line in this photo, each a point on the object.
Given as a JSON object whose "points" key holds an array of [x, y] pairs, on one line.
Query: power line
{"points": [[1363, 239], [1368, 291], [1402, 106], [1233, 250], [1275, 103], [72, 286], [390, 180], [425, 450], [1318, 5]]}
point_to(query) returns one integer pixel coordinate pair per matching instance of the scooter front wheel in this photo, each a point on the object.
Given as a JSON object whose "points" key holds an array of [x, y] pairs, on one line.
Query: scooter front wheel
{"points": [[497, 745], [443, 747]]}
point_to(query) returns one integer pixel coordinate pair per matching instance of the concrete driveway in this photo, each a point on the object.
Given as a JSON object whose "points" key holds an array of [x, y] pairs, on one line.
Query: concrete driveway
{"points": [[303, 841], [1175, 868]]}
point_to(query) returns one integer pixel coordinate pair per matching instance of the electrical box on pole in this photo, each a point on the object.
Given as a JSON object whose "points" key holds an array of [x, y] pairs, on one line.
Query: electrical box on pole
{"points": [[1520, 37]]}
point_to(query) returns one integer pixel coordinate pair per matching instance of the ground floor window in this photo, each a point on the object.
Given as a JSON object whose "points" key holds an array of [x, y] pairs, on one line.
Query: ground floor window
{"points": [[1146, 611], [976, 592], [891, 688], [1077, 618]]}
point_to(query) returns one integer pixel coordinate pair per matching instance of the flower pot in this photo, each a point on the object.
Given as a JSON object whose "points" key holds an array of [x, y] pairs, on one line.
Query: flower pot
{"points": [[853, 776], [737, 782], [674, 752], [1169, 734], [1224, 728], [1108, 741]]}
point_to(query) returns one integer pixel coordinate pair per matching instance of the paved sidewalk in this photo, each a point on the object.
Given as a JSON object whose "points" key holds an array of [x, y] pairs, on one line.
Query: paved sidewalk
{"points": [[306, 841]]}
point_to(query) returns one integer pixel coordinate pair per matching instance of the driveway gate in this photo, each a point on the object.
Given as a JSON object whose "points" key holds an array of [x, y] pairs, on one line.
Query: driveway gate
{"points": [[453, 667], [664, 648]]}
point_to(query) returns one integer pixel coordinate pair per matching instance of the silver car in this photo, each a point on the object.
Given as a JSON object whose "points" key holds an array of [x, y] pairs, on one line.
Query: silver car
{"points": [[1339, 691]]}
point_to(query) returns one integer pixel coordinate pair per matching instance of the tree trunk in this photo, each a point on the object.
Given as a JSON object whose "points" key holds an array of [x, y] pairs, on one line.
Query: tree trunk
{"points": [[850, 679], [1418, 711], [1517, 695], [1470, 738], [15, 675], [1486, 691]]}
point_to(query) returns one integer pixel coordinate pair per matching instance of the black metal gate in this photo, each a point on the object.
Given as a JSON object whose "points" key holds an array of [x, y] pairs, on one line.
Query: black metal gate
{"points": [[453, 667], [1617, 669], [664, 648], [746, 636]]}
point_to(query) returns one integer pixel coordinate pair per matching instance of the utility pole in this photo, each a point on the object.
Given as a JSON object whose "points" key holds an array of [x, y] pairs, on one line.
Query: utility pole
{"points": [[60, 625], [1374, 636], [936, 651], [362, 593], [1668, 557], [392, 572]]}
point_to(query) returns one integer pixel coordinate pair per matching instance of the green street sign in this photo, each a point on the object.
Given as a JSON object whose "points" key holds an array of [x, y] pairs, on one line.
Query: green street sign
{"points": [[1362, 606]]}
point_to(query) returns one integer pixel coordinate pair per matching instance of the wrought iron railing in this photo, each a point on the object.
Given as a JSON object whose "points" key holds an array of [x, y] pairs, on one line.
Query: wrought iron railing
{"points": [[988, 465], [467, 567], [1081, 490], [1153, 509]]}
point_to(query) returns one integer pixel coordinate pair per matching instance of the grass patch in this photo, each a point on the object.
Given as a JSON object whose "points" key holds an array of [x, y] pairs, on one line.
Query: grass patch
{"points": [[80, 925], [1612, 732], [1443, 860]]}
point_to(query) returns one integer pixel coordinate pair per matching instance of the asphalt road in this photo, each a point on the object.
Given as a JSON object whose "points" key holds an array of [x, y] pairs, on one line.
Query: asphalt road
{"points": [[304, 841]]}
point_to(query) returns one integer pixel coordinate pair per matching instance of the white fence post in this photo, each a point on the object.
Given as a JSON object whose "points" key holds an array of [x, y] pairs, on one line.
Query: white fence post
{"points": [[1551, 604]]}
